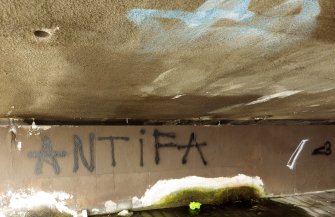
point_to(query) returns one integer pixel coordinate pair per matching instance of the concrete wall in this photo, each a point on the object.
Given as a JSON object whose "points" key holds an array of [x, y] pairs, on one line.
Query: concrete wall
{"points": [[47, 157]]}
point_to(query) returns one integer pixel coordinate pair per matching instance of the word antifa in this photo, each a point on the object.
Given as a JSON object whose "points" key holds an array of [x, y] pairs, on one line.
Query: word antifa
{"points": [[48, 155]]}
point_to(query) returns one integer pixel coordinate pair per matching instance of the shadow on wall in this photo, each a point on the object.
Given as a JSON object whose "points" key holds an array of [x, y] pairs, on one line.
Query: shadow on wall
{"points": [[185, 106]]}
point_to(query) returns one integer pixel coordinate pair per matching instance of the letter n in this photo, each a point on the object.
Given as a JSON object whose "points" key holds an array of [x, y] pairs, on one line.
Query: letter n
{"points": [[79, 152]]}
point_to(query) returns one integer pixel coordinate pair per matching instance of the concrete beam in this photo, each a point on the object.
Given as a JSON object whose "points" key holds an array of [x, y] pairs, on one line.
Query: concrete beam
{"points": [[100, 163]]}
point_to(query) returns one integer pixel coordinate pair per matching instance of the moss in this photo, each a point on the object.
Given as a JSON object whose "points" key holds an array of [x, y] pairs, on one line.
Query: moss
{"points": [[45, 212], [259, 208], [208, 196]]}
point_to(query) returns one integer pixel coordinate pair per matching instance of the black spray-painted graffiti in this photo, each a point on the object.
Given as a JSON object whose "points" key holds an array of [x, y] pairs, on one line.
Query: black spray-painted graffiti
{"points": [[46, 155], [49, 156], [111, 139], [78, 150], [192, 143], [141, 148], [326, 149]]}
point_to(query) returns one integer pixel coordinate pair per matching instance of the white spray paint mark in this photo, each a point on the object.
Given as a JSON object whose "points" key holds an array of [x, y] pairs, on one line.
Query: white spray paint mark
{"points": [[39, 127], [19, 146], [13, 129], [10, 111], [34, 126], [276, 95], [34, 129], [319, 90], [177, 96], [225, 109], [164, 75], [294, 157], [315, 105]]}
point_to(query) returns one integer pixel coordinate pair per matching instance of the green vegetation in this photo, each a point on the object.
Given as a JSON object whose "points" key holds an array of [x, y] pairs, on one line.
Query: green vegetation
{"points": [[208, 196], [194, 205]]}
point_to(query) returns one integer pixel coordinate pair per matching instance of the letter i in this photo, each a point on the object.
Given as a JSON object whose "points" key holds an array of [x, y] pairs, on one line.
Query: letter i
{"points": [[141, 147]]}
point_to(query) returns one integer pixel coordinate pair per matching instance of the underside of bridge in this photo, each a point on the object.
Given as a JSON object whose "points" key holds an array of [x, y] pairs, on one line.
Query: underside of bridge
{"points": [[167, 60], [91, 93]]}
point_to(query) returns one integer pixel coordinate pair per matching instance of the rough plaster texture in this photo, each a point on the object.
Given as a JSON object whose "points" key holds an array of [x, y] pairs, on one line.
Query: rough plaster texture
{"points": [[230, 150], [167, 59]]}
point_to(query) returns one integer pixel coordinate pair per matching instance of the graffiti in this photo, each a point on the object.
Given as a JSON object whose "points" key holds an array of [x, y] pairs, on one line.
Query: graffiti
{"points": [[192, 143], [142, 131], [326, 149], [111, 139], [46, 155], [78, 152], [160, 140], [296, 18], [294, 157], [205, 16], [141, 156]]}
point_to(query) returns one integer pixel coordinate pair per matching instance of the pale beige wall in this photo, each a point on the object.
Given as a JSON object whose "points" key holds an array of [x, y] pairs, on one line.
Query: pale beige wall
{"points": [[251, 150]]}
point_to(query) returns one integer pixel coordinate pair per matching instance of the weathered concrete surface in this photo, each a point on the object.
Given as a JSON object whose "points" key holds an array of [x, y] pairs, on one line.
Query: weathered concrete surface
{"points": [[316, 203], [252, 150], [167, 59]]}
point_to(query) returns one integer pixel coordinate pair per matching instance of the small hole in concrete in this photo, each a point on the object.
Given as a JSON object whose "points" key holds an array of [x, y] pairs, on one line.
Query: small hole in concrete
{"points": [[41, 33]]}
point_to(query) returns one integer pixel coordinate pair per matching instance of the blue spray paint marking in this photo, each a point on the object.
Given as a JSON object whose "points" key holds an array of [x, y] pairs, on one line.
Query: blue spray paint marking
{"points": [[207, 14], [202, 21], [199, 21]]}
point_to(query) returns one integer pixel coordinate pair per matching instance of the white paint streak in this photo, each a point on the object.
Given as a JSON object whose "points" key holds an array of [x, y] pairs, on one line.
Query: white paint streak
{"points": [[164, 75], [233, 87], [34, 126], [177, 96], [315, 105], [225, 109], [19, 146], [13, 129], [273, 96], [294, 157], [319, 90], [40, 127], [10, 111], [35, 129]]}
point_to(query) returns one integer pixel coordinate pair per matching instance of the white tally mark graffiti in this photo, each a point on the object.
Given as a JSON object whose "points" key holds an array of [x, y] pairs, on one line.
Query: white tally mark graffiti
{"points": [[277, 26], [294, 157]]}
